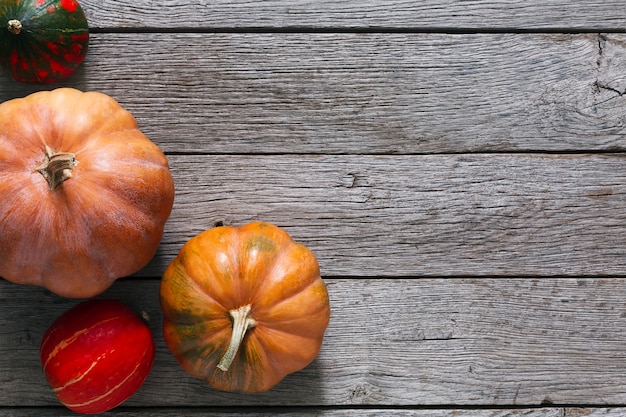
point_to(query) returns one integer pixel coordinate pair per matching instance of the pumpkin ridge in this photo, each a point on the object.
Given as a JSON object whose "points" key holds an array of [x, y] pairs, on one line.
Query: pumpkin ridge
{"points": [[197, 319], [196, 286], [278, 369], [67, 138], [95, 134], [248, 372], [140, 217], [121, 185], [268, 347], [90, 143], [250, 235], [261, 310], [33, 114], [313, 278], [283, 251], [277, 328], [200, 358], [153, 160], [271, 329], [216, 334]]}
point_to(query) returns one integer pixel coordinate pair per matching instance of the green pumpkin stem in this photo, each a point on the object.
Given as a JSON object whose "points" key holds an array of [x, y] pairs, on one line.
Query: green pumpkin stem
{"points": [[57, 167], [14, 26], [241, 323]]}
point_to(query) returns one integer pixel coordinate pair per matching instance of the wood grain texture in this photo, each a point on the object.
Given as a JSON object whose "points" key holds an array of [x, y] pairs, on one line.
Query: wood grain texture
{"points": [[320, 412], [317, 412], [458, 167], [419, 215], [390, 343], [363, 93], [363, 14]]}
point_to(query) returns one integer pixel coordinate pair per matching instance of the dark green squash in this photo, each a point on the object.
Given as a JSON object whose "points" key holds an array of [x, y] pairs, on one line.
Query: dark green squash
{"points": [[42, 41]]}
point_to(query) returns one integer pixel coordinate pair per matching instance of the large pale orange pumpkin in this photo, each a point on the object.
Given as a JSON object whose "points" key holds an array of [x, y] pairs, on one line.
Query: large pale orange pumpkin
{"points": [[84, 195], [244, 306]]}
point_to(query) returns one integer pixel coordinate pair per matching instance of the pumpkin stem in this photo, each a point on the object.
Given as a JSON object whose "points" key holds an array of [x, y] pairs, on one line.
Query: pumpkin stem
{"points": [[14, 26], [57, 167], [241, 323]]}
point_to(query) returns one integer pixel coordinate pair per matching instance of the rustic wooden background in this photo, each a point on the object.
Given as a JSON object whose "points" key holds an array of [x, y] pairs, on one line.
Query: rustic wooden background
{"points": [[459, 168]]}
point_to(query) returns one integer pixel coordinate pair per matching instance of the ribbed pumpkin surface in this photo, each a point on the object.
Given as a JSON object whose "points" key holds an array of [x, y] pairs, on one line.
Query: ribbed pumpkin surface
{"points": [[251, 281]]}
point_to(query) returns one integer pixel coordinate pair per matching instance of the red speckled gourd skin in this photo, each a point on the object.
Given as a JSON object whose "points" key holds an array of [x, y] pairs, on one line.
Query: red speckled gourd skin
{"points": [[96, 355], [257, 266], [49, 42]]}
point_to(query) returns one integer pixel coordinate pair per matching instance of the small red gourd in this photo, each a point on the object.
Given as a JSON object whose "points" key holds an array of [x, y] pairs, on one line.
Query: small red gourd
{"points": [[84, 194], [244, 306], [42, 40], [96, 355]]}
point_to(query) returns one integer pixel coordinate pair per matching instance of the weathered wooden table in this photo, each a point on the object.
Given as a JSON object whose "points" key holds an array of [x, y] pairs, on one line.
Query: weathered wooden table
{"points": [[458, 167]]}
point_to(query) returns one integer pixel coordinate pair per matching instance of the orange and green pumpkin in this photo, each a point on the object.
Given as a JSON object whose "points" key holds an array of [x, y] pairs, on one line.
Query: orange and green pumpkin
{"points": [[244, 306], [42, 41]]}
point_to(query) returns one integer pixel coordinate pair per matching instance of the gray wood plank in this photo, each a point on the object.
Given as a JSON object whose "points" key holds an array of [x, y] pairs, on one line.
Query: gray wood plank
{"points": [[246, 118], [363, 93], [262, 412], [390, 343], [426, 215], [367, 14], [319, 412]]}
